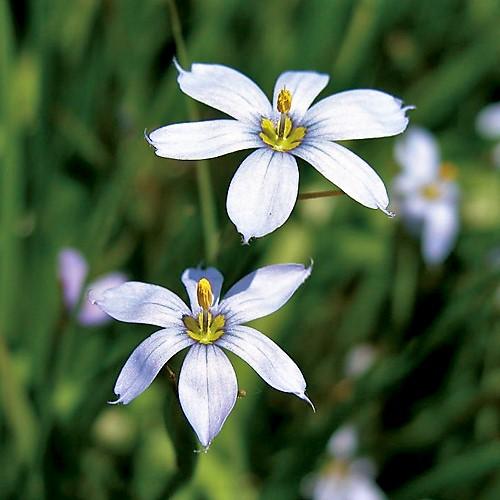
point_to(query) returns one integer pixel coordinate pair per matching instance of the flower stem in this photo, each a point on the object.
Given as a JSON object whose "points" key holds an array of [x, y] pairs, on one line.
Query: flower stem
{"points": [[205, 191], [320, 194]]}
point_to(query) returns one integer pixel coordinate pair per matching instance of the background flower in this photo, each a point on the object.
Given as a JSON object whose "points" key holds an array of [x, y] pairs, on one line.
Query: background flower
{"points": [[428, 194], [72, 272]]}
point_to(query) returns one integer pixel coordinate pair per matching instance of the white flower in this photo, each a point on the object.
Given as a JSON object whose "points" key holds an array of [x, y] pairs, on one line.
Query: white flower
{"points": [[359, 360], [346, 484], [264, 189], [72, 271], [344, 442], [427, 194], [207, 382], [344, 478], [488, 125]]}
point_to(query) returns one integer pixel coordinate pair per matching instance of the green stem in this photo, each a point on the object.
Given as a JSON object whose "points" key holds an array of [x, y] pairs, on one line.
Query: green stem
{"points": [[205, 191], [320, 194]]}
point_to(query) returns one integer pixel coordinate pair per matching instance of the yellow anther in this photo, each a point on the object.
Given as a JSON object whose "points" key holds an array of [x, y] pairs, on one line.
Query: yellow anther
{"points": [[204, 294], [448, 171], [431, 191], [284, 101]]}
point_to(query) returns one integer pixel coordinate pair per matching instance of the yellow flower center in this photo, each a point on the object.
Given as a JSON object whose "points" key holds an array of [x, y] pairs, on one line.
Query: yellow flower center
{"points": [[431, 191], [204, 328], [281, 135]]}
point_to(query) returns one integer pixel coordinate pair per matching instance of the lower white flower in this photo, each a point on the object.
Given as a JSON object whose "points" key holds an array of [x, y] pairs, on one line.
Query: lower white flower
{"points": [[207, 381], [427, 194], [264, 189]]}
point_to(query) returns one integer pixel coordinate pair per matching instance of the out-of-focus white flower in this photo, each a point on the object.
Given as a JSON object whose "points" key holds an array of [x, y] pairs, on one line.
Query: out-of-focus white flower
{"points": [[207, 382], [359, 359], [427, 194], [344, 478], [72, 271], [344, 442], [264, 189], [488, 126]]}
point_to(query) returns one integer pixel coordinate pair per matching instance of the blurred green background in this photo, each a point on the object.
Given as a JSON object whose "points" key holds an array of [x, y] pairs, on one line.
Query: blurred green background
{"points": [[79, 83]]}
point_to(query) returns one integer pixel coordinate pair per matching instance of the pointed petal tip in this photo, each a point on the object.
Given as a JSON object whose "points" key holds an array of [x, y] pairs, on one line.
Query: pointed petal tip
{"points": [[307, 400], [148, 139], [178, 67], [92, 296], [389, 214], [117, 402]]}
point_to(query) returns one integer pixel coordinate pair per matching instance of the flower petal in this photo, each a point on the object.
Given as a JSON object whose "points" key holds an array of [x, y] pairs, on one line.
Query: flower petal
{"points": [[266, 358], [225, 89], [346, 170], [135, 302], [146, 361], [262, 292], [207, 390], [90, 314], [356, 114], [488, 121], [418, 153], [72, 270], [440, 230], [263, 192], [190, 278], [304, 87], [200, 140]]}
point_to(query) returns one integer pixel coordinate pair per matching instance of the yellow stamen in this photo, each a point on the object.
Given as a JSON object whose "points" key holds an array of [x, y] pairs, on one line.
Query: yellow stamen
{"points": [[204, 294], [448, 171], [281, 135], [284, 101]]}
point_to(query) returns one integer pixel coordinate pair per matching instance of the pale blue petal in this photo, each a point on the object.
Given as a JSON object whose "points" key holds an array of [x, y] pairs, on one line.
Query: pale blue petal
{"points": [[190, 278], [225, 89], [200, 140], [207, 390], [347, 171], [440, 229], [356, 114], [262, 292], [304, 87], [266, 358], [263, 193], [417, 152], [146, 361], [135, 302], [488, 121]]}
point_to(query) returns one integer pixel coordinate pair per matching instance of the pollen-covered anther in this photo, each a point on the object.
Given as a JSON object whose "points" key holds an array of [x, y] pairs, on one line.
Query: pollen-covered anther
{"points": [[204, 294], [284, 101]]}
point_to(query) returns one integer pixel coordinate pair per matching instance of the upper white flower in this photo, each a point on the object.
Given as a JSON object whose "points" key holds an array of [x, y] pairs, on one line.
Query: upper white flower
{"points": [[427, 193], [264, 189], [488, 125], [207, 382]]}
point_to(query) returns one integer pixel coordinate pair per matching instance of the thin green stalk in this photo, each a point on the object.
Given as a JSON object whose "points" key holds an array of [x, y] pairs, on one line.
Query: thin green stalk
{"points": [[320, 194], [205, 191]]}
